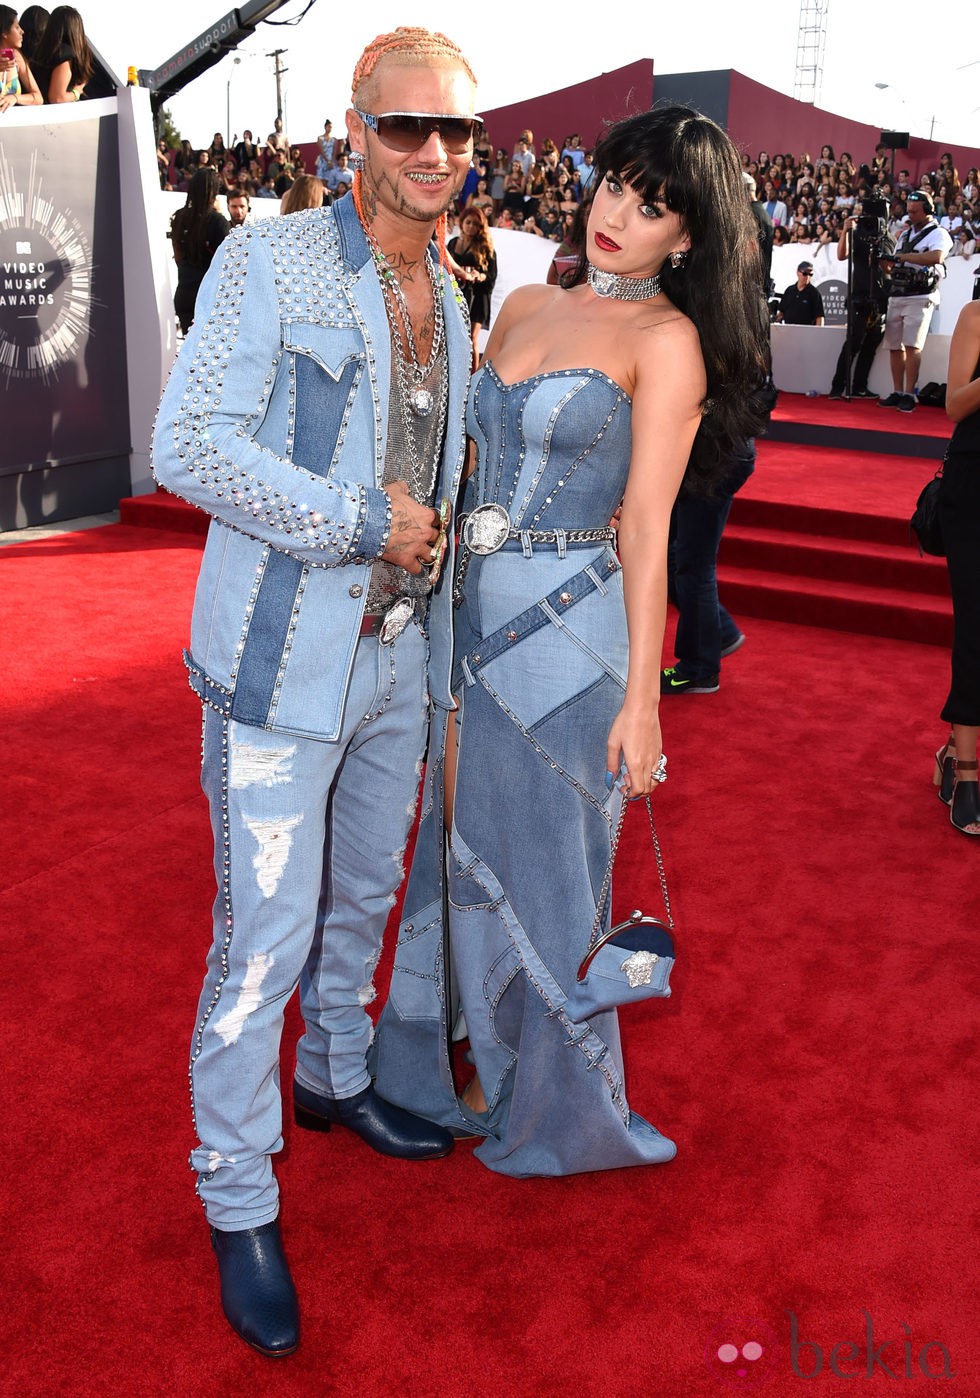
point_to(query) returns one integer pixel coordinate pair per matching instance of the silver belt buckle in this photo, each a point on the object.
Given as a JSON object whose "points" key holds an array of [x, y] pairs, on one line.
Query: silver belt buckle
{"points": [[397, 617], [486, 529]]}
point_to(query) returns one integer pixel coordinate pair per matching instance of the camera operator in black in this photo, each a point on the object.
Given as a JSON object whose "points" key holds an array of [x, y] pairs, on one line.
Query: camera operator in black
{"points": [[866, 240]]}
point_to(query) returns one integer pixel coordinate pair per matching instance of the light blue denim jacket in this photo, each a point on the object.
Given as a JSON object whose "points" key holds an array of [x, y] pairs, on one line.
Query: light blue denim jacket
{"points": [[274, 421]]}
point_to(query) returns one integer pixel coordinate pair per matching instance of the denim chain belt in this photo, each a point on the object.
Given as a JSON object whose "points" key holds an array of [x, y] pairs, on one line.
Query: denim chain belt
{"points": [[487, 529]]}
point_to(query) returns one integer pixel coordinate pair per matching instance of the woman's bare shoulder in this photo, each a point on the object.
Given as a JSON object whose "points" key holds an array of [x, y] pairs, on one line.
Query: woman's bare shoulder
{"points": [[524, 301], [528, 298], [668, 332], [668, 343], [969, 317]]}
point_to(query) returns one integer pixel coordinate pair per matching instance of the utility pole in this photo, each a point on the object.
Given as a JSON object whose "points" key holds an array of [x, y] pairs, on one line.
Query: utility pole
{"points": [[280, 70]]}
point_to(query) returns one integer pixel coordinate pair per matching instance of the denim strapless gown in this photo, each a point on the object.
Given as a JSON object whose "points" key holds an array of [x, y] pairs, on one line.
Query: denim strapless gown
{"points": [[541, 655]]}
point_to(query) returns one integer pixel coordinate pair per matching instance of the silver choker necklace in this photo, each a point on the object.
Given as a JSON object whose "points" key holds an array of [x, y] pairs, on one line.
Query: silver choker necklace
{"points": [[623, 288]]}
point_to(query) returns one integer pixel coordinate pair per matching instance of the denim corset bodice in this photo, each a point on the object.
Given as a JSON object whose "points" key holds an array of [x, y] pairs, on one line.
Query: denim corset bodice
{"points": [[553, 449]]}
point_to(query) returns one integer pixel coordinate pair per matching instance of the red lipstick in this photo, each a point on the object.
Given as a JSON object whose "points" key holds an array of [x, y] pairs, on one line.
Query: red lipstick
{"points": [[607, 244]]}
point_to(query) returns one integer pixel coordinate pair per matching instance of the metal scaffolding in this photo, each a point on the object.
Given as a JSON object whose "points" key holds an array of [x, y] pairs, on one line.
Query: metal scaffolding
{"points": [[809, 49]]}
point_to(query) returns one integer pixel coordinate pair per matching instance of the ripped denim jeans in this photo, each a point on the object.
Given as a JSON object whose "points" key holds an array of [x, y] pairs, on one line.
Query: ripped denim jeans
{"points": [[309, 842]]}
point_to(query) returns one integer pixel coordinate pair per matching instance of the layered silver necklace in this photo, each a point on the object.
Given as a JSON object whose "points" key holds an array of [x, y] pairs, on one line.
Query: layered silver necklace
{"points": [[623, 288], [413, 373], [415, 399]]}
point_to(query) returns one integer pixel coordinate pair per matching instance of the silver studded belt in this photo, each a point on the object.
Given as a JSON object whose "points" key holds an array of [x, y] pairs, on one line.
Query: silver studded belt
{"points": [[487, 529]]}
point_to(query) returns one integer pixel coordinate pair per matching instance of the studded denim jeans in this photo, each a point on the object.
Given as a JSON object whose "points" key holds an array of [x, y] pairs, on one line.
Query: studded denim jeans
{"points": [[309, 840]]}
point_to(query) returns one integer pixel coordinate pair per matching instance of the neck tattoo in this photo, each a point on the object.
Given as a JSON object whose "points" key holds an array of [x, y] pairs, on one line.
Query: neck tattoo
{"points": [[623, 288]]}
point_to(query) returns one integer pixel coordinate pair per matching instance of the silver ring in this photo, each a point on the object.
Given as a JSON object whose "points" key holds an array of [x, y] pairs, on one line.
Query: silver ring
{"points": [[659, 774]]}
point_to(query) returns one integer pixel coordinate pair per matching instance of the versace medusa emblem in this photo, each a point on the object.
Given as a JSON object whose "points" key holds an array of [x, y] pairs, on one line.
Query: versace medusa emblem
{"points": [[639, 968]]}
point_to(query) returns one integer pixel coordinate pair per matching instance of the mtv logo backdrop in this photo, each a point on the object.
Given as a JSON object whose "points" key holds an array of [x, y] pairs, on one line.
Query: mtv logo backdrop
{"points": [[64, 447]]}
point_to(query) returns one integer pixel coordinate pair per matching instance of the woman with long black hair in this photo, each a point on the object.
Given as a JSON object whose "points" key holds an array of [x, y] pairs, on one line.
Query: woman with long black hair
{"points": [[959, 512], [196, 232], [637, 378], [63, 65]]}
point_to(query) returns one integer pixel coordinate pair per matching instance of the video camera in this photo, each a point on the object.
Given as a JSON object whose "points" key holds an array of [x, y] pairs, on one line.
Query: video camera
{"points": [[872, 221], [871, 243]]}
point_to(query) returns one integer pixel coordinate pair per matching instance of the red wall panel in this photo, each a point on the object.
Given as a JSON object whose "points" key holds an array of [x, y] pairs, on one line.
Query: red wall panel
{"points": [[585, 107]]}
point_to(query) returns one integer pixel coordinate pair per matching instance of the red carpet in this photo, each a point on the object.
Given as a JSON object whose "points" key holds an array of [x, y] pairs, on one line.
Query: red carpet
{"points": [[816, 1065]]}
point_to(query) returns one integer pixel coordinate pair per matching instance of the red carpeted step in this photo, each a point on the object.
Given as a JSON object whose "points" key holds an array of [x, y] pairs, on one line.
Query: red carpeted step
{"points": [[820, 535], [821, 521], [861, 414], [838, 559], [865, 609], [859, 425], [160, 510]]}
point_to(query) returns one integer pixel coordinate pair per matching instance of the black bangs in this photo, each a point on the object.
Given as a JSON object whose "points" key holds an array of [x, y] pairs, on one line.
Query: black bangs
{"points": [[650, 153], [650, 177]]}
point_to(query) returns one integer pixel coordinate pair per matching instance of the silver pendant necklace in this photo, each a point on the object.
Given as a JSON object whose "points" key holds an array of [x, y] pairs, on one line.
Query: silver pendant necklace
{"points": [[418, 398], [415, 400], [623, 288]]}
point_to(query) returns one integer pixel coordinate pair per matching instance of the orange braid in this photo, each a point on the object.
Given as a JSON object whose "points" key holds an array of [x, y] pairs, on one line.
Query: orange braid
{"points": [[419, 44], [440, 237], [357, 195]]}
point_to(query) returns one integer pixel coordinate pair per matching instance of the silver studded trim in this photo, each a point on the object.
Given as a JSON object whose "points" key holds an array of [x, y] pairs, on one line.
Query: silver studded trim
{"points": [[224, 894]]}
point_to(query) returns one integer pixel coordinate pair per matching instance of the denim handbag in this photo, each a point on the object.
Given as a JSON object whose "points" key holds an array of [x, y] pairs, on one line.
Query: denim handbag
{"points": [[634, 959]]}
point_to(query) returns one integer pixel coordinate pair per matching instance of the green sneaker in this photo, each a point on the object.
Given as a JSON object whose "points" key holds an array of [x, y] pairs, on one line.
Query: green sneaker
{"points": [[673, 682]]}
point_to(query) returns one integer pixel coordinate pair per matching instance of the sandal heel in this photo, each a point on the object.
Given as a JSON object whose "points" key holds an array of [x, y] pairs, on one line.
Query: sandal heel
{"points": [[944, 774]]}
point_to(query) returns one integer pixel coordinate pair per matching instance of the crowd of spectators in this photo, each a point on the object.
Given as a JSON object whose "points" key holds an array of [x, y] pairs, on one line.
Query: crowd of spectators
{"points": [[541, 190], [260, 170], [536, 191], [809, 200]]}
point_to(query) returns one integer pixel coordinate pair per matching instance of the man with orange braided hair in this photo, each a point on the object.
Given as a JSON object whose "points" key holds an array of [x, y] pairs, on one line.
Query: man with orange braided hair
{"points": [[316, 412]]}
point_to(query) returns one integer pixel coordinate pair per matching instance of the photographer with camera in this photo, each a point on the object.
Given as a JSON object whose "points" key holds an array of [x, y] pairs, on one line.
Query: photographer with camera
{"points": [[865, 240], [913, 295]]}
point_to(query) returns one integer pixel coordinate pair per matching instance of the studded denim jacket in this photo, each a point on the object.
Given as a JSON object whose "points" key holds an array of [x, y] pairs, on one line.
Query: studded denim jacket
{"points": [[274, 422]]}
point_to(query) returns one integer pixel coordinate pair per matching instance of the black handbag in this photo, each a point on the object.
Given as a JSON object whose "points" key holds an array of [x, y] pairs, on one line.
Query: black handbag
{"points": [[634, 959], [925, 523]]}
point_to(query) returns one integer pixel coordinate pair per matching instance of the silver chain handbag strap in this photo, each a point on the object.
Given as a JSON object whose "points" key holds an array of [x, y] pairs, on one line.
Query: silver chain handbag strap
{"points": [[600, 911]]}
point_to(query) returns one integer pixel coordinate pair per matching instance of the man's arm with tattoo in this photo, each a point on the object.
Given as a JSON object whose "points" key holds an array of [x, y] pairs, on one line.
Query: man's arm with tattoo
{"points": [[414, 530]]}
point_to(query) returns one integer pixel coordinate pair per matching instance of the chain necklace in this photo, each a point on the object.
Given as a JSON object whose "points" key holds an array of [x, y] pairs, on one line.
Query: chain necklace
{"points": [[623, 288], [421, 475], [418, 398]]}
